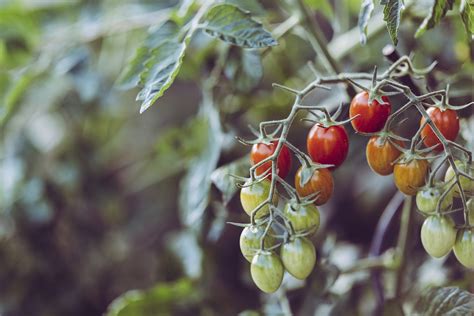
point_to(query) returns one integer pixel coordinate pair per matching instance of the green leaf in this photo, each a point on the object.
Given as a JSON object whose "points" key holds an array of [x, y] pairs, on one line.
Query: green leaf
{"points": [[252, 6], [321, 5], [466, 10], [234, 26], [447, 301], [365, 13], [227, 184], [195, 186], [159, 300], [391, 15], [161, 69], [437, 12], [244, 69]]}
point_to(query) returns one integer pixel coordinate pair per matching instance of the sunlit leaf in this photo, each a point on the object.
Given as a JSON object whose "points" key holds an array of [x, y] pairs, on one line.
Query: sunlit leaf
{"points": [[365, 13], [234, 26], [447, 301], [438, 10], [391, 15]]}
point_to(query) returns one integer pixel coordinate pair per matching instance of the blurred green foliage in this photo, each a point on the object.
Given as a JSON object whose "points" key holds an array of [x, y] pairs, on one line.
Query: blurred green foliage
{"points": [[97, 201]]}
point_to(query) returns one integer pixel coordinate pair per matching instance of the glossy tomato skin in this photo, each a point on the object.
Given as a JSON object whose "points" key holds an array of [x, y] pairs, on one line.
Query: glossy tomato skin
{"points": [[267, 271], [250, 241], [303, 218], [372, 117], [381, 154], [466, 183], [427, 199], [470, 207], [328, 145], [410, 176], [252, 196], [438, 235], [298, 257], [447, 122], [320, 181], [464, 247], [261, 151]]}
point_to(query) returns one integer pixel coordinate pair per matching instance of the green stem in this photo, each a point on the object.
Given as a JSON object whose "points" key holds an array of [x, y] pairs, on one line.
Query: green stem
{"points": [[402, 242]]}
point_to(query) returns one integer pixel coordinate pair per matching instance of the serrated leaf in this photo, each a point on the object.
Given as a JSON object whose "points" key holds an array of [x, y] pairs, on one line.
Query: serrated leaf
{"points": [[161, 69], [466, 10], [365, 13], [232, 25], [322, 5], [157, 35], [195, 186], [447, 301], [437, 11], [226, 183], [391, 15]]}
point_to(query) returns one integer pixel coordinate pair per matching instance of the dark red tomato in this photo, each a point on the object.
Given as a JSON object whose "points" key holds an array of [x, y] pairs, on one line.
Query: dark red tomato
{"points": [[381, 154], [447, 122], [371, 117], [262, 151], [328, 145]]}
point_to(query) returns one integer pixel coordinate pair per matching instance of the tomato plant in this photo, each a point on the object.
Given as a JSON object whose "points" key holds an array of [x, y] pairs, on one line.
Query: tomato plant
{"points": [[428, 197], [381, 155], [250, 240], [267, 271], [328, 145], [252, 195], [368, 118], [466, 183], [464, 247], [319, 182], [261, 151], [304, 218], [447, 122]]}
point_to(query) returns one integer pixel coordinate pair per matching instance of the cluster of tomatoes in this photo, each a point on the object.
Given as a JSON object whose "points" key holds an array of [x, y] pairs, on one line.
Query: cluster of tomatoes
{"points": [[327, 146]]}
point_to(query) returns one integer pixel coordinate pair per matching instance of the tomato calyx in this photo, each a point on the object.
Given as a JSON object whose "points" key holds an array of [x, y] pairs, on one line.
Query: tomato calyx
{"points": [[327, 120]]}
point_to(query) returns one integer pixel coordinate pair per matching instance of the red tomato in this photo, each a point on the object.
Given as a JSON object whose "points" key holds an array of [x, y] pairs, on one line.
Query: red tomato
{"points": [[447, 121], [328, 145], [371, 117], [261, 151], [320, 182]]}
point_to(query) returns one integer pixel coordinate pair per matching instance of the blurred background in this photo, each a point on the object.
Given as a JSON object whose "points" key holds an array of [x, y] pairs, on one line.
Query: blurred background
{"points": [[105, 210]]}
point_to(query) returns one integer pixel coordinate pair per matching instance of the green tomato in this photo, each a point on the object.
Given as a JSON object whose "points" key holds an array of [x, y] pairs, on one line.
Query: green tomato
{"points": [[438, 235], [254, 195], [303, 218], [464, 247], [470, 210], [299, 257], [466, 183], [267, 271], [427, 198], [250, 240]]}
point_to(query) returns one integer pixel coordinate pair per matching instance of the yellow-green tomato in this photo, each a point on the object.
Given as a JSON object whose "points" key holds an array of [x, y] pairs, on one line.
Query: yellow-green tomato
{"points": [[464, 247], [470, 210], [427, 198], [267, 271], [250, 240], [251, 196], [438, 235], [303, 218], [466, 183], [299, 257]]}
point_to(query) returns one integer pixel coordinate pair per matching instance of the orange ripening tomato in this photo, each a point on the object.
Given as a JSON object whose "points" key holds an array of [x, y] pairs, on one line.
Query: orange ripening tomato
{"points": [[328, 145], [410, 176], [447, 121], [321, 182], [371, 117], [261, 151], [381, 154]]}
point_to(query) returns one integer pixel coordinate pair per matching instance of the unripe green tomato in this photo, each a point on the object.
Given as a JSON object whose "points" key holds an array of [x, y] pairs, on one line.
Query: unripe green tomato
{"points": [[470, 210], [466, 183], [464, 247], [303, 218], [427, 199], [267, 271], [250, 240], [438, 235], [254, 195], [298, 257]]}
